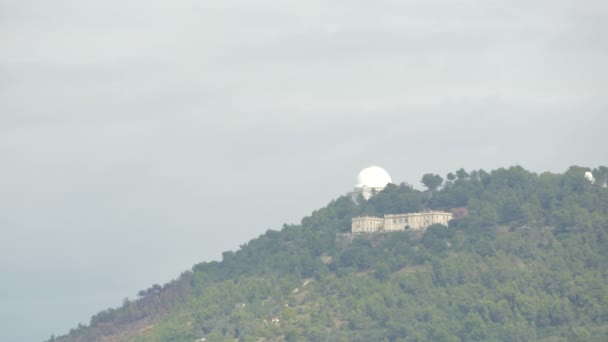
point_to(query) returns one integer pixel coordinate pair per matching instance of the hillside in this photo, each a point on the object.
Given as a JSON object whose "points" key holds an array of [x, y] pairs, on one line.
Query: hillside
{"points": [[529, 261]]}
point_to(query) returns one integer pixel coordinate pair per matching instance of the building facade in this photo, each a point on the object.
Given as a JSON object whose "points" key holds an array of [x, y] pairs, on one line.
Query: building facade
{"points": [[399, 222]]}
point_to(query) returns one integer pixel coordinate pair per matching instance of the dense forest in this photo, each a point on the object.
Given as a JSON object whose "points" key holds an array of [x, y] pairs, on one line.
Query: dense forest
{"points": [[526, 260]]}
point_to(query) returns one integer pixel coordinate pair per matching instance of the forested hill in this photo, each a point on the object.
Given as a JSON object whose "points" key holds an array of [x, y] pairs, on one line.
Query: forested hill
{"points": [[528, 262]]}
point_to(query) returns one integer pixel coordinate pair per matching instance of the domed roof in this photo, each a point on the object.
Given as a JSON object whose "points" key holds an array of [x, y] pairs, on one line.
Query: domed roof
{"points": [[373, 177]]}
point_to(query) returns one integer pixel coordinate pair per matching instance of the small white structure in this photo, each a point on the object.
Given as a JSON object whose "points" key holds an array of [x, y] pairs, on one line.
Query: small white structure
{"points": [[370, 180], [589, 177]]}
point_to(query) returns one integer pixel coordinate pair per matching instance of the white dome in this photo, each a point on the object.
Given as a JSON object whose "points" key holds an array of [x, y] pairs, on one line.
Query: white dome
{"points": [[373, 177]]}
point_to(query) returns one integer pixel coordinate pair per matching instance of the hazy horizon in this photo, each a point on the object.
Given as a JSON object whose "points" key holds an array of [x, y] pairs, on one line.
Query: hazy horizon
{"points": [[137, 137]]}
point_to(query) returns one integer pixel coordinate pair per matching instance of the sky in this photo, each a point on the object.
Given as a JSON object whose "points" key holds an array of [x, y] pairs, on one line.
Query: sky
{"points": [[138, 138]]}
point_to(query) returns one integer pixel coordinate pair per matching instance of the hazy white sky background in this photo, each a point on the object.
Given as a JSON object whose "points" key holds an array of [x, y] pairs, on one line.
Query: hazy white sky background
{"points": [[138, 138]]}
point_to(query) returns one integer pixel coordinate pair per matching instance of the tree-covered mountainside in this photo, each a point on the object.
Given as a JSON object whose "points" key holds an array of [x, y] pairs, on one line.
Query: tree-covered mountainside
{"points": [[527, 260]]}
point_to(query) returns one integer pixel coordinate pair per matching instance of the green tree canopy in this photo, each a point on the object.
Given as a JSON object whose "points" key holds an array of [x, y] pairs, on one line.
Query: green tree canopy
{"points": [[431, 181]]}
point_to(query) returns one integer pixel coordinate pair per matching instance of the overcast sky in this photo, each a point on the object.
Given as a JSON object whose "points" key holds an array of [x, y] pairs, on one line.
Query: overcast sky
{"points": [[138, 138]]}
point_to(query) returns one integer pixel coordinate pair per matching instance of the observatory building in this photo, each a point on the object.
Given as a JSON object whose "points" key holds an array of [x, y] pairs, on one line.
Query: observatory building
{"points": [[370, 180], [399, 222], [374, 179]]}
